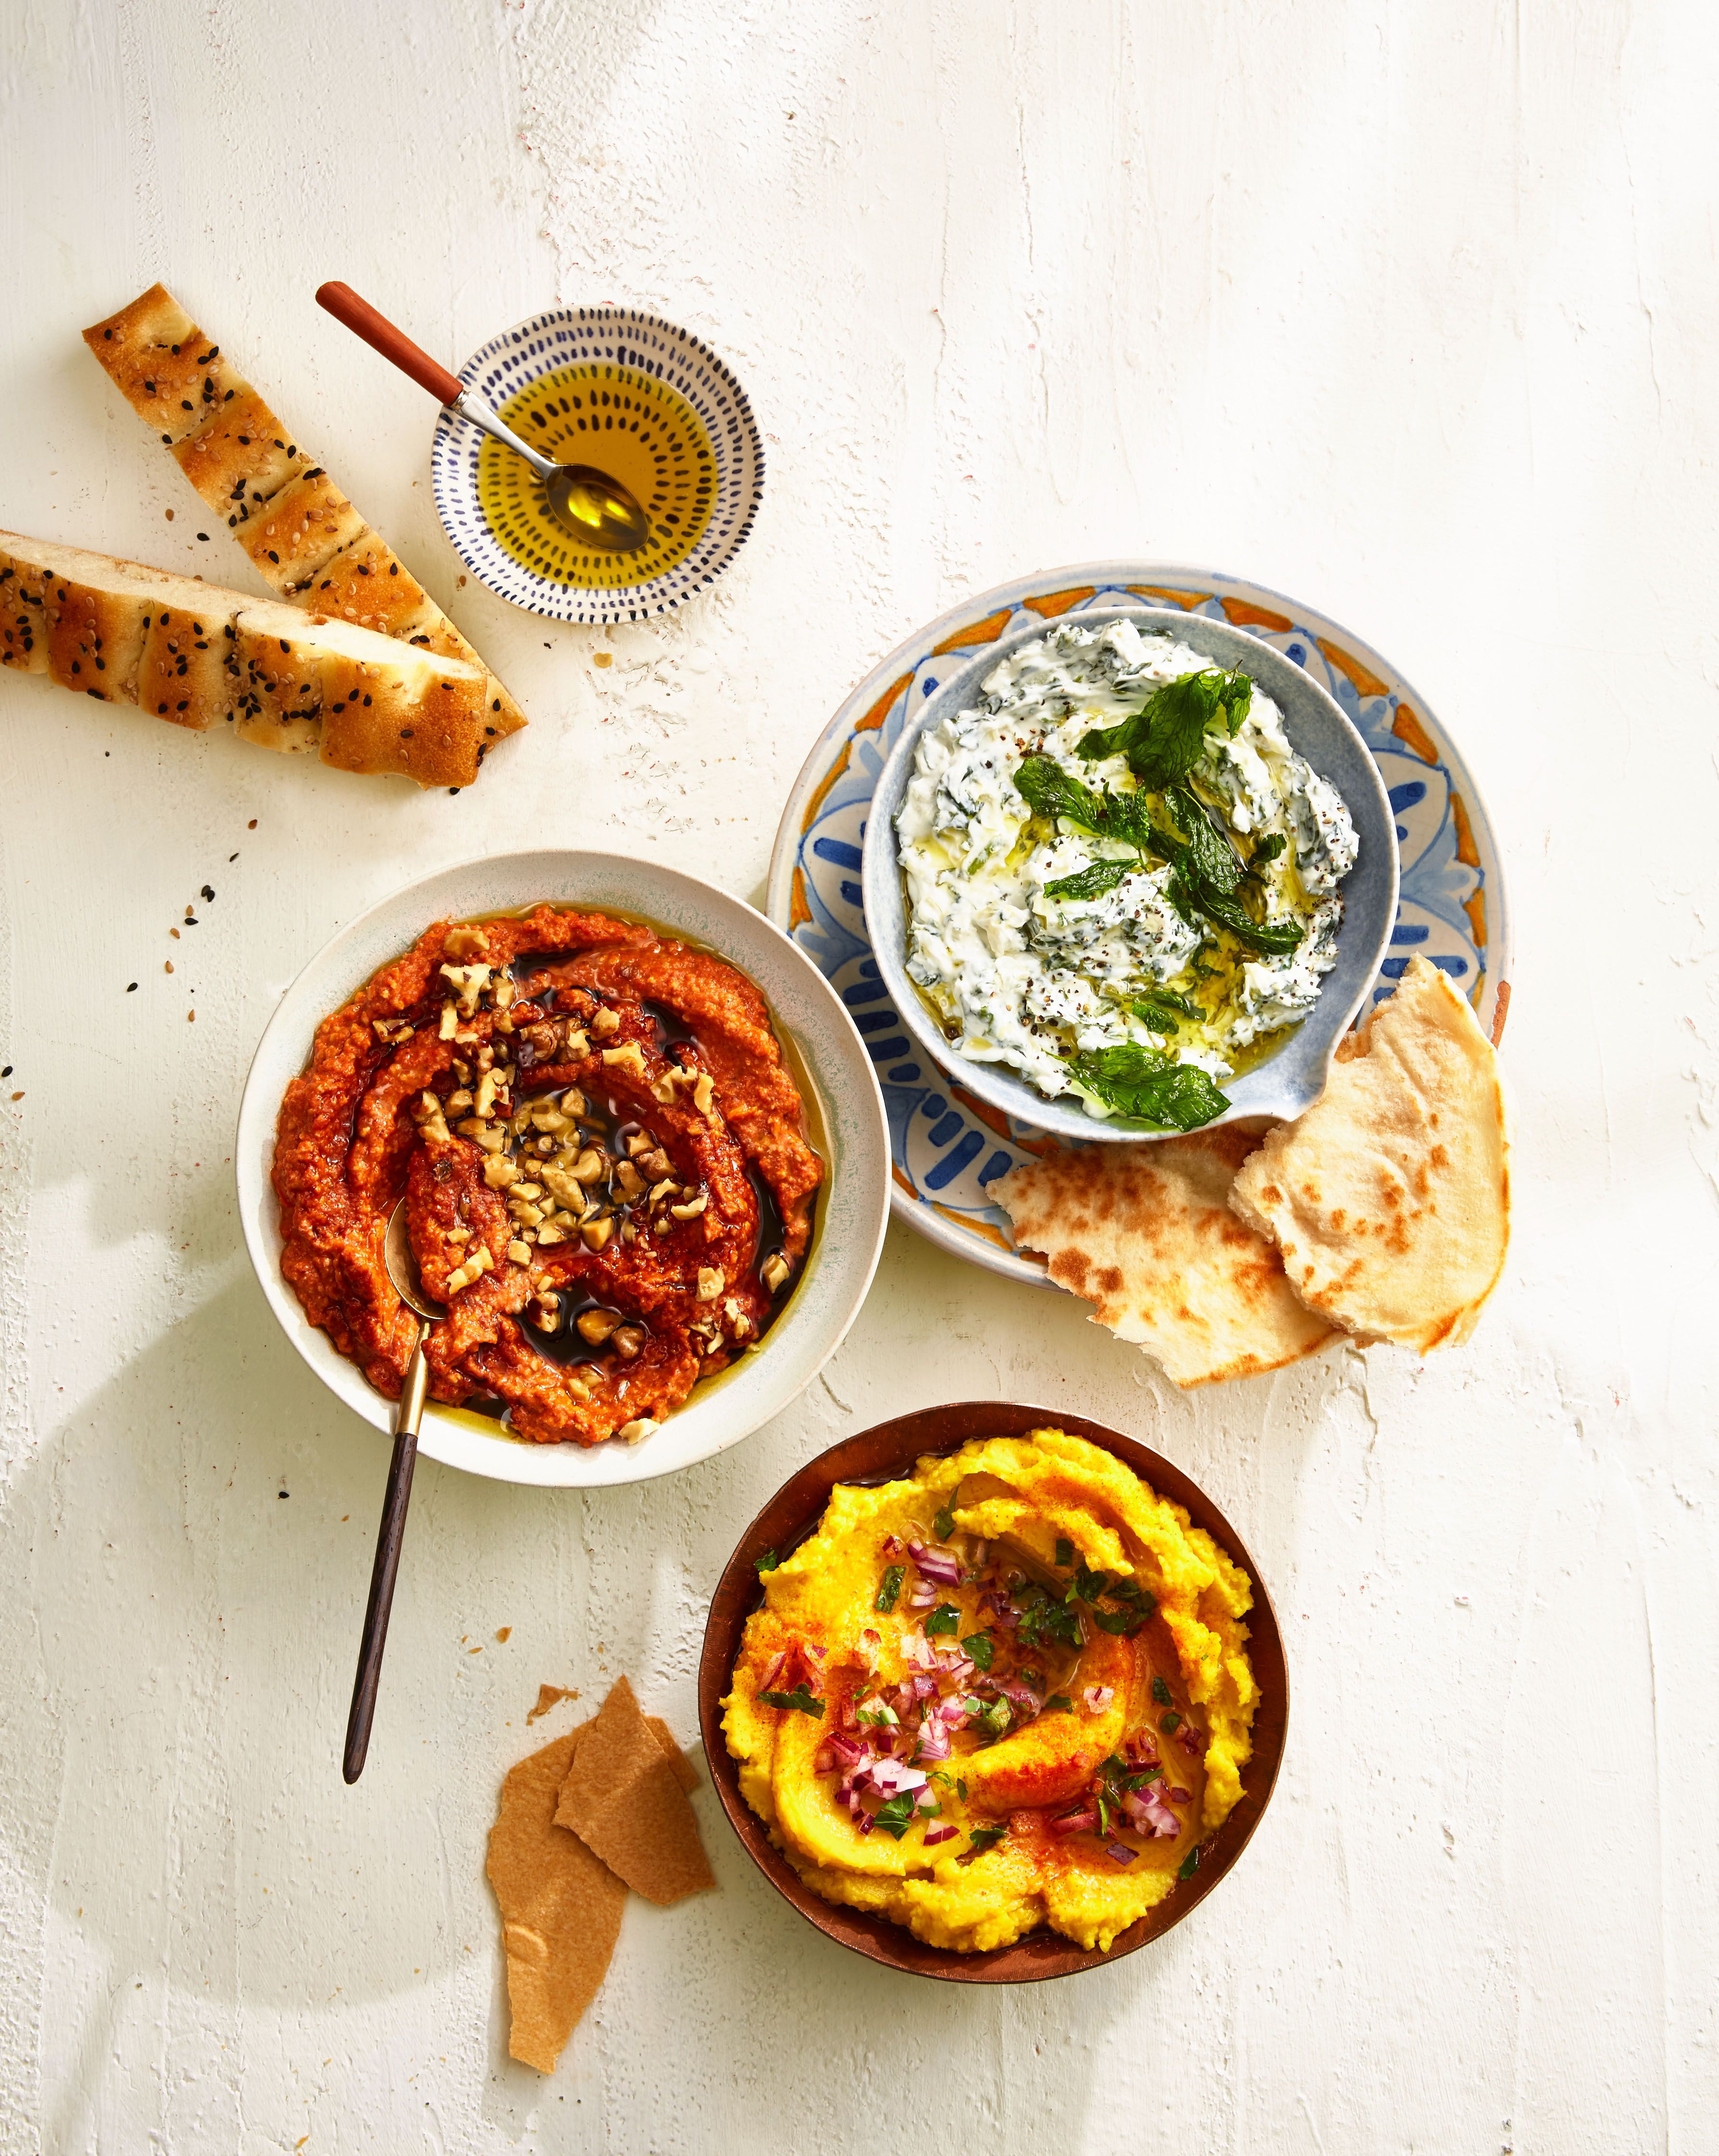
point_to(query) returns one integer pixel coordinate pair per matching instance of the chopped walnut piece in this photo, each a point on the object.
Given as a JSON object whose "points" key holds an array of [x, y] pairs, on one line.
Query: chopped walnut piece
{"points": [[630, 1057], [450, 1021], [711, 1283], [499, 1172], [703, 1093], [656, 1164], [691, 1210], [627, 1340], [630, 1433], [431, 1120], [774, 1272], [605, 1024], [550, 1234], [597, 1325], [464, 940], [739, 1323], [520, 1253], [595, 1234], [591, 1166], [630, 1181], [489, 1086], [640, 1142]]}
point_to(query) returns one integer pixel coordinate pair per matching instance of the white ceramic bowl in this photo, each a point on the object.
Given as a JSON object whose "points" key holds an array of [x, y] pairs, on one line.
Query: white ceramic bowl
{"points": [[853, 1204], [1287, 1083]]}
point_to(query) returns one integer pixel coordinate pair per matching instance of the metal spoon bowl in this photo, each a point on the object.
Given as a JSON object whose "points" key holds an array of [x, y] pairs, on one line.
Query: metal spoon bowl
{"points": [[596, 510], [402, 1271]]}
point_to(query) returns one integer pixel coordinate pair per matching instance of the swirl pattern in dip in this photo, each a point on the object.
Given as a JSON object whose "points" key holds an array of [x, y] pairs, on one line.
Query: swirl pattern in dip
{"points": [[1012, 1690], [603, 1158]]}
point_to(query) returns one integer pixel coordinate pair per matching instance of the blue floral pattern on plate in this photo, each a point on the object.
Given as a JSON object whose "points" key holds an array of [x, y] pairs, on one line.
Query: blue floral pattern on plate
{"points": [[948, 1148]]}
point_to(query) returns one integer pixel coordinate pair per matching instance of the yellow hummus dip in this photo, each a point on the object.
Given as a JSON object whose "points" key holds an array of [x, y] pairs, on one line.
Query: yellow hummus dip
{"points": [[1011, 1691]]}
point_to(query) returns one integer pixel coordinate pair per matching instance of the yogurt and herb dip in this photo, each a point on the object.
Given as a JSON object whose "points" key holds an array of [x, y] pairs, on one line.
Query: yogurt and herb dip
{"points": [[1122, 878]]}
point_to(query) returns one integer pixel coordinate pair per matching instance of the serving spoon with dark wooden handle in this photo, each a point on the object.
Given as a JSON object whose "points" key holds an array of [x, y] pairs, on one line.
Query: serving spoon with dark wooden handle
{"points": [[402, 1271], [594, 509]]}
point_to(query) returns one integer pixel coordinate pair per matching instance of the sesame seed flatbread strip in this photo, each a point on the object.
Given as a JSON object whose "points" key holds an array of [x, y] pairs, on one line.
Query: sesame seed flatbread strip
{"points": [[291, 519], [1390, 1198], [192, 653], [1145, 1233]]}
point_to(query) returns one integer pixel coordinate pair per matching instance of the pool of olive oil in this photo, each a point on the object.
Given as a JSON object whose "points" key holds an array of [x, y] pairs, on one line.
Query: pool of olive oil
{"points": [[625, 423]]}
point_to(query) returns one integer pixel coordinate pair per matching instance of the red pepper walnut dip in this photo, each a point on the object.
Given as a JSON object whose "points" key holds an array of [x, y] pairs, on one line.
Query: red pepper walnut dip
{"points": [[604, 1161]]}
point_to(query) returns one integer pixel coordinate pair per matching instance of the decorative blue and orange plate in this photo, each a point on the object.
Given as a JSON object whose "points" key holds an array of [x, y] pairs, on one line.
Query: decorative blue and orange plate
{"points": [[947, 1148]]}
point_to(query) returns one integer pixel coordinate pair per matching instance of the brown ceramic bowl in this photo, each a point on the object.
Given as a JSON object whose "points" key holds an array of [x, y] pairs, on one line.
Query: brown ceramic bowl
{"points": [[890, 1451]]}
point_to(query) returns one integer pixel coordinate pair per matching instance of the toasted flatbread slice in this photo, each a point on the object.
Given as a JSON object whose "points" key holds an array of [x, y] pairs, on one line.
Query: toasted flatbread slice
{"points": [[171, 375], [363, 584], [250, 470], [192, 653], [1389, 1199], [1145, 1233], [379, 704]]}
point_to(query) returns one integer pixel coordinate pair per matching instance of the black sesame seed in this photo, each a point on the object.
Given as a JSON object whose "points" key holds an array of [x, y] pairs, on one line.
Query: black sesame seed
{"points": [[406, 733], [130, 988], [186, 404], [203, 535], [274, 557], [206, 892]]}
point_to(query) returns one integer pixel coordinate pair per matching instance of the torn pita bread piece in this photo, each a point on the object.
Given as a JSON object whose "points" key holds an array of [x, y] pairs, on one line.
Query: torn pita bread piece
{"points": [[624, 1797], [1146, 1234], [560, 1906], [1390, 1198]]}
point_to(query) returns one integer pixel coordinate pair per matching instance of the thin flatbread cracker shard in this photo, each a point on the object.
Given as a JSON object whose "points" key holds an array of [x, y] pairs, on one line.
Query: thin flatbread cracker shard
{"points": [[1146, 1234], [626, 1797], [561, 1906], [1390, 1198]]}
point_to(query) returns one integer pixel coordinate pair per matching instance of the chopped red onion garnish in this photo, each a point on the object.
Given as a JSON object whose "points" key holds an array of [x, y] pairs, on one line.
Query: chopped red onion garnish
{"points": [[1147, 1811], [824, 1761], [927, 1800], [891, 1543], [939, 1564], [1120, 1852], [934, 1738], [923, 1595], [1098, 1697], [1181, 1796], [1076, 1822], [768, 1681], [919, 1651], [940, 1830], [1190, 1740]]}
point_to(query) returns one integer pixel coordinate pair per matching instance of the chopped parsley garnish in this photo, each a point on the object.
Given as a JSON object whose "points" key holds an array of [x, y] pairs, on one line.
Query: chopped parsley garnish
{"points": [[883, 1716], [1148, 1086], [896, 1815], [1088, 1585], [799, 1700], [1161, 1692], [890, 1588], [1043, 1622], [943, 1526], [1064, 1552], [945, 1618], [1169, 1724], [991, 1715], [979, 1648], [1058, 1703], [984, 1838], [1123, 1622], [1190, 1864], [766, 1561], [960, 1787]]}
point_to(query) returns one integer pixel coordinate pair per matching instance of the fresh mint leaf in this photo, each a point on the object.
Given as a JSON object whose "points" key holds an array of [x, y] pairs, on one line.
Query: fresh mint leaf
{"points": [[1209, 874], [1144, 1084], [1162, 1011], [799, 1700], [1165, 739], [1268, 848], [1092, 881], [945, 1618], [890, 1588], [1049, 791], [979, 1650]]}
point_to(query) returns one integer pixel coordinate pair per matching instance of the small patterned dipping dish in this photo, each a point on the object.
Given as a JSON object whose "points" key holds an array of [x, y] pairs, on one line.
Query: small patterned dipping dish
{"points": [[645, 403]]}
